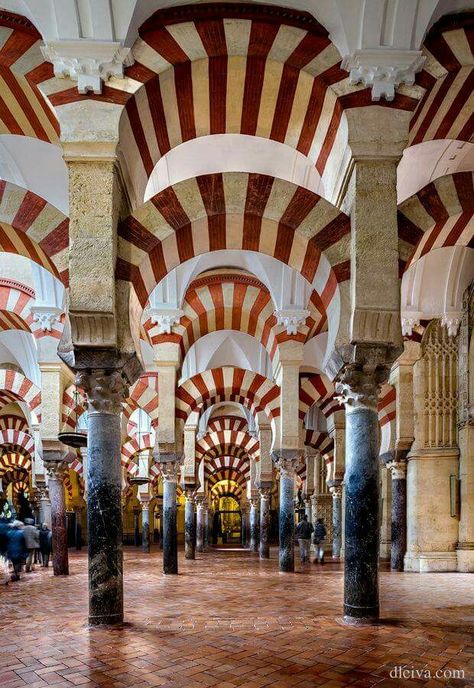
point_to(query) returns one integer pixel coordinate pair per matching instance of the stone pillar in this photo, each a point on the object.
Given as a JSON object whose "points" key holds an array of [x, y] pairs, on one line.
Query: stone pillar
{"points": [[360, 388], [170, 471], [254, 524], [205, 541], [287, 461], [465, 549], [244, 514], [145, 502], [386, 512], [336, 491], [78, 530], [398, 470], [136, 529], [44, 503], [200, 526], [265, 522], [105, 389], [308, 509], [56, 471], [189, 528]]}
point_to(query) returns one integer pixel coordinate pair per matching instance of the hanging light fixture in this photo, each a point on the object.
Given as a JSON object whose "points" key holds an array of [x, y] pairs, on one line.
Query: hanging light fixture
{"points": [[74, 438]]}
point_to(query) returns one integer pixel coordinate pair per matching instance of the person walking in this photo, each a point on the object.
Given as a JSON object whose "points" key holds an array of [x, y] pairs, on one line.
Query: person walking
{"points": [[303, 533], [32, 543], [319, 537], [16, 548], [45, 542]]}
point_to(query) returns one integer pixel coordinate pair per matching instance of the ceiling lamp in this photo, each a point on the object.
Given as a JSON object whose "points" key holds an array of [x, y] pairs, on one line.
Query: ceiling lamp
{"points": [[74, 438]]}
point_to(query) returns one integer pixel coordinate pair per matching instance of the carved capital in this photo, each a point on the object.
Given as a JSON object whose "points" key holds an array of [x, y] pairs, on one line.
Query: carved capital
{"points": [[287, 461], [336, 491], [56, 470], [383, 69], [451, 321], [358, 385], [398, 469], [190, 495], [291, 319], [46, 317], [165, 318], [170, 468], [105, 389]]}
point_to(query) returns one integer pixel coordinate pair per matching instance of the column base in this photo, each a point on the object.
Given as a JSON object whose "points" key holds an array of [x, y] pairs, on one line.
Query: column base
{"points": [[106, 620], [465, 559], [360, 616], [431, 562]]}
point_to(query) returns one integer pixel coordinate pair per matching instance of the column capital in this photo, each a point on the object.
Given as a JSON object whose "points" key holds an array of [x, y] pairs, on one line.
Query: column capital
{"points": [[287, 460], [170, 469], [105, 389], [190, 495], [359, 384], [336, 491], [398, 469], [56, 468]]}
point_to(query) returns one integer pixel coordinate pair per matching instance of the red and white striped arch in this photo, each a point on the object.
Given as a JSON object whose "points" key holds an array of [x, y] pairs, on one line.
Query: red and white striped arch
{"points": [[233, 301], [143, 395], [31, 227], [231, 488], [317, 389], [228, 384], [320, 441], [446, 109], [23, 109], [228, 443], [16, 387], [440, 214], [240, 211], [72, 408], [13, 422], [16, 300], [219, 423], [130, 448], [19, 439], [14, 460], [387, 418], [227, 468]]}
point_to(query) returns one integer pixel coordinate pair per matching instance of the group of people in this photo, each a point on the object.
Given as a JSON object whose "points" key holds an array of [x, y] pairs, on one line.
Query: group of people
{"points": [[23, 545], [304, 531]]}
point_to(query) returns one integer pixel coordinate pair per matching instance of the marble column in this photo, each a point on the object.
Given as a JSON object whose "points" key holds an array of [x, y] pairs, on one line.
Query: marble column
{"points": [[44, 504], [78, 528], [254, 525], [145, 525], [399, 514], [359, 390], [200, 526], [265, 522], [244, 526], [308, 510], [136, 529], [189, 528], [105, 389], [205, 529], [336, 492], [287, 461], [170, 470], [56, 472]]}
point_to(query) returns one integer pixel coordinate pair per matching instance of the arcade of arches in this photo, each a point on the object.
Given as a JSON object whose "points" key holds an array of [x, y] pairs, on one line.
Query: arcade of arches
{"points": [[236, 288]]}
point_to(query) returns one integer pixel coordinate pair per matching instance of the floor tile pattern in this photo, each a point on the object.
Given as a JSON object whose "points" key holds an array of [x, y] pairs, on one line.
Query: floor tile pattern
{"points": [[231, 620]]}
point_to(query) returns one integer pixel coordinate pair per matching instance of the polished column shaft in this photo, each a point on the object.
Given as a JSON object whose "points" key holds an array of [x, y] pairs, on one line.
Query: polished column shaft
{"points": [[336, 492], [56, 473], [78, 529], [189, 528], [286, 558], [200, 527], [170, 533], [205, 540], [146, 527], [399, 515], [361, 589], [254, 526], [265, 521]]}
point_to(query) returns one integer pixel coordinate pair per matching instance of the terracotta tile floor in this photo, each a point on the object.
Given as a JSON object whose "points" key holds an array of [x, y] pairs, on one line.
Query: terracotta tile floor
{"points": [[230, 620]]}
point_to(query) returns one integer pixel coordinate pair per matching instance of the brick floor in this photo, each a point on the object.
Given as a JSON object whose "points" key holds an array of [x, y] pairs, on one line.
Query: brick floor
{"points": [[230, 620]]}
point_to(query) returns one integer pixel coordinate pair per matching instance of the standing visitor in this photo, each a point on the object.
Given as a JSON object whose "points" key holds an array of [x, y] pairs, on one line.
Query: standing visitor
{"points": [[45, 539], [31, 535], [303, 533], [319, 537], [16, 549]]}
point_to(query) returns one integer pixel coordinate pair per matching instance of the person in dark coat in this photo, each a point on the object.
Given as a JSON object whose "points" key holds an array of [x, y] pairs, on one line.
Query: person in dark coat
{"points": [[16, 548], [31, 536], [303, 533], [4, 528], [45, 541], [319, 537]]}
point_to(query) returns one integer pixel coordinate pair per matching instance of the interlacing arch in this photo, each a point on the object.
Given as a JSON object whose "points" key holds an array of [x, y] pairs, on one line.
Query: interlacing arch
{"points": [[317, 389], [228, 488], [144, 395], [23, 109], [229, 443], [18, 438], [445, 111], [439, 215], [14, 386], [235, 301], [228, 384], [33, 228], [227, 422], [235, 210], [320, 441], [16, 300], [10, 460], [10, 421]]}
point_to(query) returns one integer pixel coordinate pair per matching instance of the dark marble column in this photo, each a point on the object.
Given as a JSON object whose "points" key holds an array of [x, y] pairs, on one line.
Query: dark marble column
{"points": [[243, 526], [200, 525], [145, 525], [360, 390], [254, 525], [105, 390], [189, 528], [44, 504], [56, 472], [136, 530], [399, 514], [78, 530], [336, 491], [265, 520], [170, 470], [287, 461], [205, 541]]}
